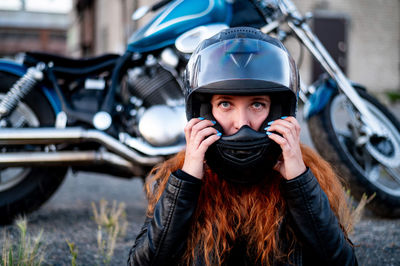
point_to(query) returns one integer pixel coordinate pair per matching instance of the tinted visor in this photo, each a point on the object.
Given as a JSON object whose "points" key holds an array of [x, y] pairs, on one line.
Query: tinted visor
{"points": [[242, 66]]}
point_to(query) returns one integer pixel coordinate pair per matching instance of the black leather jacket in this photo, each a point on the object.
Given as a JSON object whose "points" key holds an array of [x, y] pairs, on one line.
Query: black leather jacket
{"points": [[161, 240]]}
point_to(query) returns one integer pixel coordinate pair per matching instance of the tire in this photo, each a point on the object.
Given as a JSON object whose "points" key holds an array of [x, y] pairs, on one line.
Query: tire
{"points": [[24, 189], [334, 138]]}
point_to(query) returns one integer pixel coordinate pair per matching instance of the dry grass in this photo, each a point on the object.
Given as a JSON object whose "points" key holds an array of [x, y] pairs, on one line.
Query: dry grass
{"points": [[111, 223], [28, 251], [357, 212]]}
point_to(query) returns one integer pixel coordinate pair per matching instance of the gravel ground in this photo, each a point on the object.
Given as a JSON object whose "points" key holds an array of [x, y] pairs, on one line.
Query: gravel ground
{"points": [[377, 241], [68, 216]]}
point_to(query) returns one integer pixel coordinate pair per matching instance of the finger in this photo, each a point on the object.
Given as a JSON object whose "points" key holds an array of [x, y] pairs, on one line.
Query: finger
{"points": [[287, 131], [208, 142], [202, 124], [288, 121], [197, 128], [193, 121], [196, 125], [202, 135], [288, 150], [278, 166], [189, 126], [281, 141], [296, 123], [291, 127]]}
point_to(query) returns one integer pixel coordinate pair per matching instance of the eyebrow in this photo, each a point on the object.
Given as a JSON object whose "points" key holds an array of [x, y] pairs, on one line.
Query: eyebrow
{"points": [[223, 97]]}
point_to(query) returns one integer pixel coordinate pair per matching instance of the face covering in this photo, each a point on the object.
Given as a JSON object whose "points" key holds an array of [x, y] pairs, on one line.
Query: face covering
{"points": [[245, 157]]}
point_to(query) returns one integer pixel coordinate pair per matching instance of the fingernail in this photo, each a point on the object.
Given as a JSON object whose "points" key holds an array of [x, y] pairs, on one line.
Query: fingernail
{"points": [[214, 122], [268, 133], [284, 117], [201, 118], [219, 133], [267, 128], [270, 123]]}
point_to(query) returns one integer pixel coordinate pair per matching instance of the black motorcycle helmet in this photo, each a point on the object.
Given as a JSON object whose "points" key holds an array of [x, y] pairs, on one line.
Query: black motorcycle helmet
{"points": [[242, 61]]}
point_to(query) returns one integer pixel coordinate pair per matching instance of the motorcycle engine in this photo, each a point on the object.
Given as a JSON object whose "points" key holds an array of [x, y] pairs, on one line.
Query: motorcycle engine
{"points": [[158, 113], [162, 125], [154, 85]]}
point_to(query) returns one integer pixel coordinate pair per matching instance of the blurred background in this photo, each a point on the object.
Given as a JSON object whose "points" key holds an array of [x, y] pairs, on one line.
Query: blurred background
{"points": [[362, 35]]}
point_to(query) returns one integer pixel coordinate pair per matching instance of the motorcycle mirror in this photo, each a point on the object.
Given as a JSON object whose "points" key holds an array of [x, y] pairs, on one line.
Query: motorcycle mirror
{"points": [[140, 12]]}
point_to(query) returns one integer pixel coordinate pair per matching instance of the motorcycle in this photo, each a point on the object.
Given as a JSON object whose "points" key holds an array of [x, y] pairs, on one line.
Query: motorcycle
{"points": [[123, 114]]}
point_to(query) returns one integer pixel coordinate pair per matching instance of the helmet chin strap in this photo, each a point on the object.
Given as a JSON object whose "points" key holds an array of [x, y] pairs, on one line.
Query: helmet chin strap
{"points": [[244, 157]]}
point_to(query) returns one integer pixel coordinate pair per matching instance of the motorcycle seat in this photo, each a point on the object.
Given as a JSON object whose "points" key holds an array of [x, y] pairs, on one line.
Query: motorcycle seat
{"points": [[68, 67], [62, 61]]}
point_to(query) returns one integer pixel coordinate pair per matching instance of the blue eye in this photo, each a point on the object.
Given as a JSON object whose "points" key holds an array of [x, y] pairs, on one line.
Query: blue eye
{"points": [[258, 105], [224, 104]]}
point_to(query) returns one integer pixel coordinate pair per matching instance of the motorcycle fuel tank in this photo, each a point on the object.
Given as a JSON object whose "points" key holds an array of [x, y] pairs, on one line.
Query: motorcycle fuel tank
{"points": [[175, 19]]}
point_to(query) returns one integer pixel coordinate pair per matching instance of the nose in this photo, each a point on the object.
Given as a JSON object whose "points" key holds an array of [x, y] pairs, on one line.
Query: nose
{"points": [[242, 119]]}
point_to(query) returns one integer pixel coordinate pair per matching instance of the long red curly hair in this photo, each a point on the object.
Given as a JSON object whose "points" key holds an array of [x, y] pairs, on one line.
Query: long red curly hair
{"points": [[226, 211]]}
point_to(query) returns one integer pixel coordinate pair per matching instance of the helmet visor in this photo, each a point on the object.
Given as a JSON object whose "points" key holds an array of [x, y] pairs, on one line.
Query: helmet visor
{"points": [[241, 66]]}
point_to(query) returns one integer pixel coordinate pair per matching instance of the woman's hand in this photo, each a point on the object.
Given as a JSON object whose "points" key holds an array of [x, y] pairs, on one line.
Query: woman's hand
{"points": [[291, 165], [199, 135]]}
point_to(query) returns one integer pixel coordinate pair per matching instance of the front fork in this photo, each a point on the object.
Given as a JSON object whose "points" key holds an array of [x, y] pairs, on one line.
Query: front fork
{"points": [[20, 89], [316, 48]]}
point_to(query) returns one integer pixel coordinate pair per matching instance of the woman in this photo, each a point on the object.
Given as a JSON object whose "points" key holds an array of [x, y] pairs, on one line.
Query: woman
{"points": [[245, 191]]}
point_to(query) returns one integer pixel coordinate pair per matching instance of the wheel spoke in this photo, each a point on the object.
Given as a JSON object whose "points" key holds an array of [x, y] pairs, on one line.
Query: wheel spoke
{"points": [[343, 133], [395, 174], [380, 169], [374, 173], [21, 122], [370, 166]]}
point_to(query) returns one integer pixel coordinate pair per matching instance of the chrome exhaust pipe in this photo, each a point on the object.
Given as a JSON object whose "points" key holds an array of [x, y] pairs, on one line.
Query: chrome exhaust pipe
{"points": [[67, 158], [23, 136]]}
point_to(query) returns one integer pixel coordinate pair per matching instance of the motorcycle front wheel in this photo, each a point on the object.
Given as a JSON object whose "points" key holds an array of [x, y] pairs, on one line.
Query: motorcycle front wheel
{"points": [[24, 189], [368, 164]]}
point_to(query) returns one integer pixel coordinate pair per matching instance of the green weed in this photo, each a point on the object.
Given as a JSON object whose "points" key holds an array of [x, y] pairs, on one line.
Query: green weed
{"points": [[27, 252], [73, 250]]}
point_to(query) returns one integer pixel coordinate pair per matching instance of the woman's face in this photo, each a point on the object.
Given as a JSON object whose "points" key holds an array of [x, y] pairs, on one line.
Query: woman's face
{"points": [[234, 111]]}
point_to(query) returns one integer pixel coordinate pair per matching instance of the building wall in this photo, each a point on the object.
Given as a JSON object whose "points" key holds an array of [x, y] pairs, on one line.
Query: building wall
{"points": [[373, 37], [110, 30], [22, 30], [109, 27]]}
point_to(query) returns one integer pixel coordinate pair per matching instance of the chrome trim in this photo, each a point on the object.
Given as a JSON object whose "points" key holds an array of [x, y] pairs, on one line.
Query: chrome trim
{"points": [[144, 147], [61, 120], [188, 41], [19, 89], [67, 158], [270, 26], [73, 135]]}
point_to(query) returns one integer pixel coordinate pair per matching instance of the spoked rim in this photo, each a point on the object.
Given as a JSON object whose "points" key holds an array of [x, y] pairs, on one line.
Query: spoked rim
{"points": [[23, 116], [379, 169]]}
